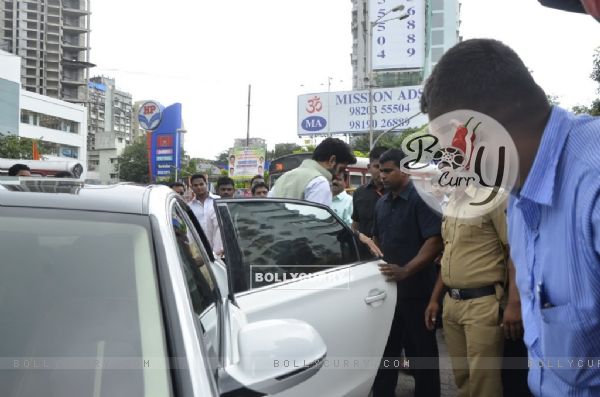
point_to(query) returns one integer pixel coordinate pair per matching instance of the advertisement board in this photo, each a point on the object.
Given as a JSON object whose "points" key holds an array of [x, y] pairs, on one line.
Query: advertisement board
{"points": [[398, 44], [348, 111], [165, 143], [245, 162]]}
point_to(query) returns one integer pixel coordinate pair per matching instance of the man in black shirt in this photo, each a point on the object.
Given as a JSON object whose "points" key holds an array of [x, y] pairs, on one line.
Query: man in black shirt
{"points": [[365, 198], [408, 232]]}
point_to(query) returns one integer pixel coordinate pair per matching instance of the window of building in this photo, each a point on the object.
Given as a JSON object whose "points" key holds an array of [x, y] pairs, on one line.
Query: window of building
{"points": [[47, 121], [436, 53], [437, 20]]}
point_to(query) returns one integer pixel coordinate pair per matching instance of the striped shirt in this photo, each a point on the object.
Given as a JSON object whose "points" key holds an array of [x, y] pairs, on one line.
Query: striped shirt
{"points": [[554, 237]]}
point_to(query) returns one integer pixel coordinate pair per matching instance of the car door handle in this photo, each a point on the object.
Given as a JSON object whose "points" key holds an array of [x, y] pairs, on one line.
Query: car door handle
{"points": [[378, 295]]}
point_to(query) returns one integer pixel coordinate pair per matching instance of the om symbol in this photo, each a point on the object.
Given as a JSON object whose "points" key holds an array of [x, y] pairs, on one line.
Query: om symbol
{"points": [[314, 105]]}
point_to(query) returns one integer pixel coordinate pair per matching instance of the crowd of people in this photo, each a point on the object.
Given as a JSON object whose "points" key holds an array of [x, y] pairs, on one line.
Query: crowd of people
{"points": [[513, 288], [516, 287]]}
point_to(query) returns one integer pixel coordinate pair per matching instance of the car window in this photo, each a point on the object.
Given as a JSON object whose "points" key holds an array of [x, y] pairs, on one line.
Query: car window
{"points": [[283, 238], [201, 284], [80, 301]]}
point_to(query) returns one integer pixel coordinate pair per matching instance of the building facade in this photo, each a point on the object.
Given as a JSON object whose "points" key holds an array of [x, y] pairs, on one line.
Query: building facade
{"points": [[110, 125], [52, 38], [441, 32], [60, 127]]}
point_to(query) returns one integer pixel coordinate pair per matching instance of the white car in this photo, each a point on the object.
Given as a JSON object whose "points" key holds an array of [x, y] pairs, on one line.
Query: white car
{"points": [[111, 290]]}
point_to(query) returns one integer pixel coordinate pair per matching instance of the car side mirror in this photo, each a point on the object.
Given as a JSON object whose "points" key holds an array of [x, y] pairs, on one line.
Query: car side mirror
{"points": [[274, 356]]}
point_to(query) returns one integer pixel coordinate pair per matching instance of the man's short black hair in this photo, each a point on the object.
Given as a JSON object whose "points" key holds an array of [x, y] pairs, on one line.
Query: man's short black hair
{"points": [[14, 170], [376, 152], [255, 177], [173, 184], [484, 75], [395, 155], [63, 174], [334, 147], [198, 176], [259, 184], [224, 180]]}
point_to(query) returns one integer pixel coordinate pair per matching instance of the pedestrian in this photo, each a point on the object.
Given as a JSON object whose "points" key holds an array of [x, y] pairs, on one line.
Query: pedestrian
{"points": [[260, 190], [366, 196], [202, 206], [341, 202], [311, 181], [256, 179], [476, 316], [177, 187], [408, 232], [19, 170], [553, 211], [225, 187]]}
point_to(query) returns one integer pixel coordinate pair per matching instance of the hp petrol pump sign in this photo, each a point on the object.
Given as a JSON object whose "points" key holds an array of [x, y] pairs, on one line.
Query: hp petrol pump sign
{"points": [[150, 115]]}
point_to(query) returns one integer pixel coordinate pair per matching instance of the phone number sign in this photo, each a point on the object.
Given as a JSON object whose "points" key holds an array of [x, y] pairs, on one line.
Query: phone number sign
{"points": [[348, 111], [398, 44]]}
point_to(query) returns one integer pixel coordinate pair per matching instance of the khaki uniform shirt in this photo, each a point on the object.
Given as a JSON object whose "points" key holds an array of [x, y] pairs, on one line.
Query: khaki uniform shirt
{"points": [[475, 245]]}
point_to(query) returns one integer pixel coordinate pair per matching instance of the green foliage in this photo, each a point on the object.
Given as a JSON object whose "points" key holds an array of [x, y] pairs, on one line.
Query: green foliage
{"points": [[133, 163], [553, 100], [15, 147], [223, 157], [596, 68], [390, 140], [594, 108], [281, 149]]}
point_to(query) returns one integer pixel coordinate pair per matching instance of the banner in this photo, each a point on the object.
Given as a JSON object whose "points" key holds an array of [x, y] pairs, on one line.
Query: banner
{"points": [[398, 44], [348, 111], [245, 162]]}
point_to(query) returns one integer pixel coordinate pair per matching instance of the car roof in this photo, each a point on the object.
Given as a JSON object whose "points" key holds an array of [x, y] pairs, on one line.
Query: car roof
{"points": [[76, 195]]}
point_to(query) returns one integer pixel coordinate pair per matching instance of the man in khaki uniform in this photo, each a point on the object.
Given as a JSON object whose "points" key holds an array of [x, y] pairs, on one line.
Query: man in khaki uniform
{"points": [[475, 270]]}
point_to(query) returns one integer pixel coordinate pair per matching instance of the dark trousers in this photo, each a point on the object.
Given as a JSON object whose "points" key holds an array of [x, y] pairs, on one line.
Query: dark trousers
{"points": [[420, 345], [514, 369]]}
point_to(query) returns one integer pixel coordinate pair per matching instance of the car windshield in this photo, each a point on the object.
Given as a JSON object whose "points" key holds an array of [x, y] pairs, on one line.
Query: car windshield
{"points": [[80, 313]]}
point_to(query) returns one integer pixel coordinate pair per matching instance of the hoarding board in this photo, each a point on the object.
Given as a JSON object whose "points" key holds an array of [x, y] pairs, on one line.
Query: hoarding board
{"points": [[397, 44], [245, 162], [348, 111]]}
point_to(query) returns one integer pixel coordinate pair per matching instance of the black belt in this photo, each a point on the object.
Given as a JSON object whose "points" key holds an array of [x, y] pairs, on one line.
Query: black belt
{"points": [[471, 293]]}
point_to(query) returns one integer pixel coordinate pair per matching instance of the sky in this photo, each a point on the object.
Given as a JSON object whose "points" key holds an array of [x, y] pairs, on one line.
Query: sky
{"points": [[204, 54]]}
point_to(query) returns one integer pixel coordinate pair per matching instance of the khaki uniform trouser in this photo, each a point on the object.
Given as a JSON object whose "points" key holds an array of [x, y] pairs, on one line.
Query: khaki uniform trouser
{"points": [[475, 343]]}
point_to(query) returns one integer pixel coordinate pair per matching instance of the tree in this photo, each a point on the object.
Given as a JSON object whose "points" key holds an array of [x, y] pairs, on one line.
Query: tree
{"points": [[16, 147], [281, 149], [133, 163], [223, 157], [390, 140], [594, 108]]}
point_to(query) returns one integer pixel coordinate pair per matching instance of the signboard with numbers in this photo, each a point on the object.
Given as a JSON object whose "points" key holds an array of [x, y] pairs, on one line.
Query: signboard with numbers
{"points": [[348, 111], [398, 44]]}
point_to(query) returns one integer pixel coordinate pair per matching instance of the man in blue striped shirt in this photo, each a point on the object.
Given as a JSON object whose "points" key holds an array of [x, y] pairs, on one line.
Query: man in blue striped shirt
{"points": [[553, 213]]}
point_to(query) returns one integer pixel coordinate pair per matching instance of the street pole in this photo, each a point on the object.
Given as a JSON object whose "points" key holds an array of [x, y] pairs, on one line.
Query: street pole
{"points": [[178, 133], [370, 77], [248, 121], [328, 106]]}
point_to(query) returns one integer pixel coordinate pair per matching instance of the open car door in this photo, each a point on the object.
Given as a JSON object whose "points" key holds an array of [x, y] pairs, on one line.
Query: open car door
{"points": [[295, 259]]}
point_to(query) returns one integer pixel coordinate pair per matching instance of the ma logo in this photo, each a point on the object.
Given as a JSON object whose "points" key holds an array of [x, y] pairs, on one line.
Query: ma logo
{"points": [[314, 123]]}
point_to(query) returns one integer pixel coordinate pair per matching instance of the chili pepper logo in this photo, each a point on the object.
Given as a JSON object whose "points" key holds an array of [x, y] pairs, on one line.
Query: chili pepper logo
{"points": [[458, 155], [465, 141]]}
